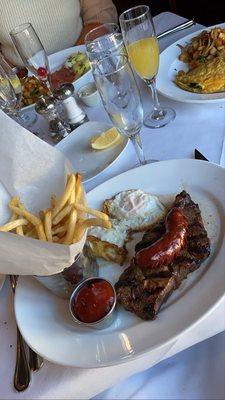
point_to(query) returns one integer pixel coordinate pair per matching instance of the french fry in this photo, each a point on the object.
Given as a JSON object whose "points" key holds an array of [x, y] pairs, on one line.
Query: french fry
{"points": [[79, 188], [19, 230], [96, 222], [26, 214], [73, 194], [71, 227], [59, 230], [9, 226], [88, 210], [62, 214], [14, 201], [78, 232], [48, 225], [53, 201], [64, 223], [65, 197], [40, 232], [31, 233]]}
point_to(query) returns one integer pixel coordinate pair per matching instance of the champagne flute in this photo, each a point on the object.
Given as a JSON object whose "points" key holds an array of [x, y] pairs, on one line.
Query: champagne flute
{"points": [[142, 47], [32, 52], [103, 41], [34, 56], [120, 96], [27, 120], [8, 99]]}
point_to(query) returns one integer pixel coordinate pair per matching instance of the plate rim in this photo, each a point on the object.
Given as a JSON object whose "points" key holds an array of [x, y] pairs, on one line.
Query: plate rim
{"points": [[74, 133], [186, 100], [173, 338]]}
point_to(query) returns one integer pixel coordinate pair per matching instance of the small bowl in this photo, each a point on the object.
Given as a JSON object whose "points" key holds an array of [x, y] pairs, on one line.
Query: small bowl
{"points": [[89, 94], [103, 322]]}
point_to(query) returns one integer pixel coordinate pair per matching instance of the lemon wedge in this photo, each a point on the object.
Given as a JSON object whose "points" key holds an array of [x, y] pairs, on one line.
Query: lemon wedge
{"points": [[106, 139]]}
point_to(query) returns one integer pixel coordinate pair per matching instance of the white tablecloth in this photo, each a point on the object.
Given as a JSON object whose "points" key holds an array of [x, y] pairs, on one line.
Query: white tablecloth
{"points": [[195, 373]]}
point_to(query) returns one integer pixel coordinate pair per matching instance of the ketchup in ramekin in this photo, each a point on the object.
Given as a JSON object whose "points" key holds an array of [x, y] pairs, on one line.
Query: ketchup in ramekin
{"points": [[93, 301]]}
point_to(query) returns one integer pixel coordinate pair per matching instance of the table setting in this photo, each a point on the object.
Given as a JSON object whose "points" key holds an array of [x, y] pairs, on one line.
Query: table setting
{"points": [[170, 150]]}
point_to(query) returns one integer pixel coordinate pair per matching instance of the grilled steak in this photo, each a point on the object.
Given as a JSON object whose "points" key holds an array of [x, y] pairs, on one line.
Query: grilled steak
{"points": [[144, 291]]}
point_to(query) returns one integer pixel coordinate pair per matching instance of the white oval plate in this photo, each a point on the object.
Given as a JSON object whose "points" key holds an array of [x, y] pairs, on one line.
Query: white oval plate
{"points": [[56, 60], [44, 319], [89, 162], [169, 67]]}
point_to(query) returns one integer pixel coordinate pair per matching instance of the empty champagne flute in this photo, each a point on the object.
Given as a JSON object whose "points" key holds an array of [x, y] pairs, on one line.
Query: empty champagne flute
{"points": [[8, 98], [34, 56], [143, 50], [104, 40], [32, 52], [27, 120], [120, 96]]}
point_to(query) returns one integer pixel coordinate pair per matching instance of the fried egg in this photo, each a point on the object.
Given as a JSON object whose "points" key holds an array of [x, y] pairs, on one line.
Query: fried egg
{"points": [[136, 208]]}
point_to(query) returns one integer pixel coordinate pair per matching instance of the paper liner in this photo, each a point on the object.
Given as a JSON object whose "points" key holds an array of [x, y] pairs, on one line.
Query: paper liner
{"points": [[34, 170]]}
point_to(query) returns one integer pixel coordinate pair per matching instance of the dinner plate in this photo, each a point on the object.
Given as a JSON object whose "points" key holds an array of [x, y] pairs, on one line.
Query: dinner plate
{"points": [[44, 319], [90, 163], [56, 60], [170, 65]]}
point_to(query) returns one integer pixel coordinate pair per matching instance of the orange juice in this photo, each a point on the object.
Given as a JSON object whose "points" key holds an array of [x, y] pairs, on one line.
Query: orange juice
{"points": [[144, 55]]}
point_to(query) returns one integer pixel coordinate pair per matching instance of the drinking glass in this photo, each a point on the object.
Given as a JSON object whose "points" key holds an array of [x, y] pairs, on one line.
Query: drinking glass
{"points": [[27, 120], [143, 50], [34, 56], [120, 96], [8, 99], [32, 52], [102, 41]]}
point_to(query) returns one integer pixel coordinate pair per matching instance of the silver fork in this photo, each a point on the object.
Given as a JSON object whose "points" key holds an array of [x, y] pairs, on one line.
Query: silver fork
{"points": [[22, 374]]}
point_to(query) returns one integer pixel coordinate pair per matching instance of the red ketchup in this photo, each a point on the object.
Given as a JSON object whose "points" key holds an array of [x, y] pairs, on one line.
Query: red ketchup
{"points": [[93, 301]]}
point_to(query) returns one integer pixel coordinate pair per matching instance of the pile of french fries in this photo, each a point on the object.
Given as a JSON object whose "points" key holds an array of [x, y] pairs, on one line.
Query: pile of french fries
{"points": [[64, 222]]}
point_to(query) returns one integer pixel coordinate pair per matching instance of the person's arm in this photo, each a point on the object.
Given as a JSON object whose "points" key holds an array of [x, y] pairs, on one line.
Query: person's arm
{"points": [[95, 13]]}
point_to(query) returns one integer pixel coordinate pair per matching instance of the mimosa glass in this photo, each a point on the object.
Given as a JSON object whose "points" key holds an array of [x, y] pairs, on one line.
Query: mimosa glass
{"points": [[143, 50]]}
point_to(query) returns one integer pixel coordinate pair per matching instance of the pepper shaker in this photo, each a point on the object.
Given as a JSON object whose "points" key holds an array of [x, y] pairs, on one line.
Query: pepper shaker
{"points": [[47, 106], [75, 115]]}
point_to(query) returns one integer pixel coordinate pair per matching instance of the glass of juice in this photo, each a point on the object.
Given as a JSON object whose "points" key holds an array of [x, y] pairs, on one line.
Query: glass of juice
{"points": [[143, 50]]}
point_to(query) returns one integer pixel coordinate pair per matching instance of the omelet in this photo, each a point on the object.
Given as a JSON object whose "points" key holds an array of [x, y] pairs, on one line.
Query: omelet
{"points": [[209, 77]]}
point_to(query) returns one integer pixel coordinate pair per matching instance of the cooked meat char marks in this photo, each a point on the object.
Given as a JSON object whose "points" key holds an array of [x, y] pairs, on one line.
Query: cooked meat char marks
{"points": [[144, 292]]}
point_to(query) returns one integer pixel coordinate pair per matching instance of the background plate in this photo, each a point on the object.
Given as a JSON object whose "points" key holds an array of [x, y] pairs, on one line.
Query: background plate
{"points": [[56, 60], [44, 319], [169, 66], [89, 162]]}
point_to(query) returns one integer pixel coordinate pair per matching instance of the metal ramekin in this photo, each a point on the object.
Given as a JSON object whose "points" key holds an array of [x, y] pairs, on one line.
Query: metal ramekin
{"points": [[103, 322]]}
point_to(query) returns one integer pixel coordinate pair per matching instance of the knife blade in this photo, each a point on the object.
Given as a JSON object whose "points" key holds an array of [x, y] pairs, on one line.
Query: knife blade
{"points": [[199, 156], [177, 28]]}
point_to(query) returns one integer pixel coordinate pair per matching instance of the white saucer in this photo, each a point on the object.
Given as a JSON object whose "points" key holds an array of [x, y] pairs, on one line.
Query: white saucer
{"points": [[83, 158]]}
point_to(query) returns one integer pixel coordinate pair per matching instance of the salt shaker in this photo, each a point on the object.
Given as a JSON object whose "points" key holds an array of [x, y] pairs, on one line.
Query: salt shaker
{"points": [[75, 115], [47, 106]]}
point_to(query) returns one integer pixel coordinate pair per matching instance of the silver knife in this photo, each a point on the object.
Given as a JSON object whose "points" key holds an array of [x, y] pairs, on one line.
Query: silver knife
{"points": [[177, 28], [199, 156]]}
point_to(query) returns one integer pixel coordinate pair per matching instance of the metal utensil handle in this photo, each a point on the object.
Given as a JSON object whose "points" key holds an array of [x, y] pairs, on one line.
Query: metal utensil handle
{"points": [[22, 369], [177, 28], [35, 361]]}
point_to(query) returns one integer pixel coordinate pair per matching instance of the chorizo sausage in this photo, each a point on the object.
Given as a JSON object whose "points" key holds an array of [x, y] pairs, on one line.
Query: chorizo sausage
{"points": [[164, 250]]}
